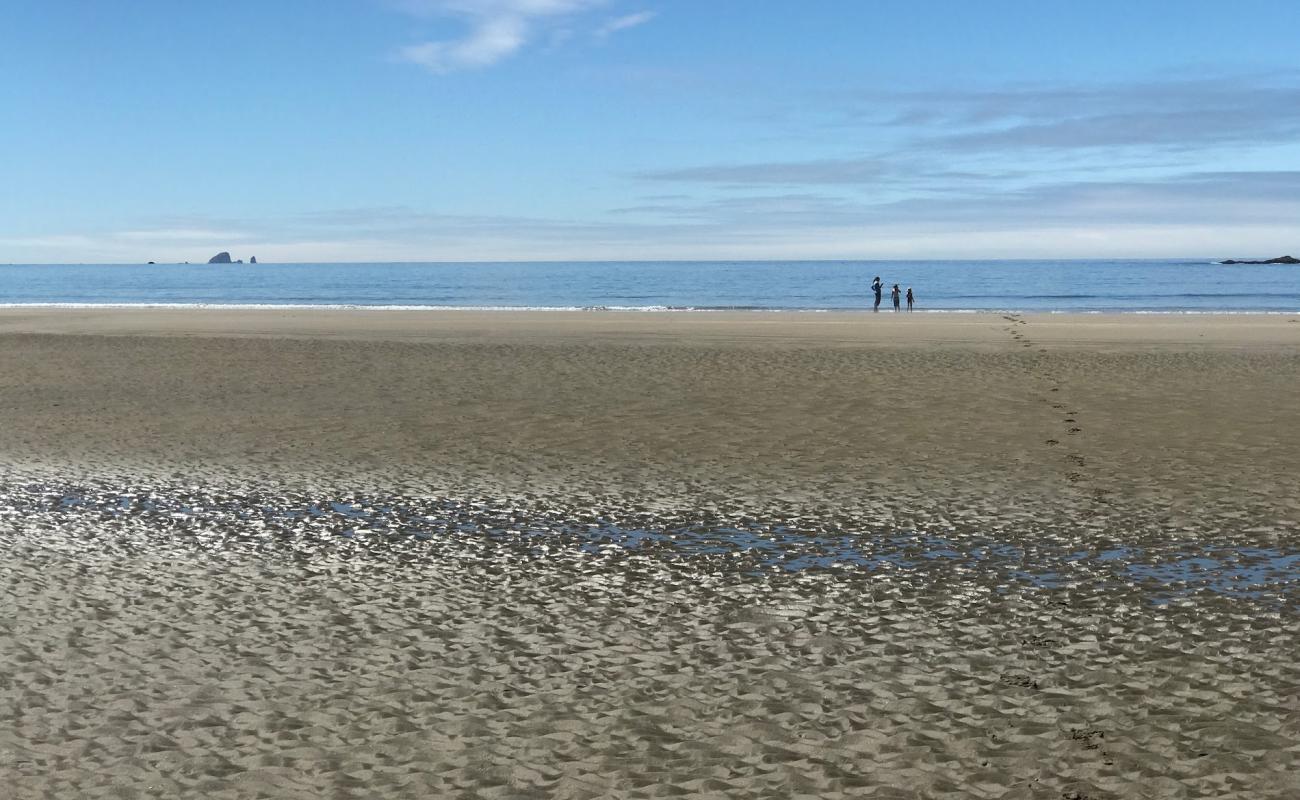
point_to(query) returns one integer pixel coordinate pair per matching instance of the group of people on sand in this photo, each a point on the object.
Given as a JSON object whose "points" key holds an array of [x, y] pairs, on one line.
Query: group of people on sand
{"points": [[896, 294]]}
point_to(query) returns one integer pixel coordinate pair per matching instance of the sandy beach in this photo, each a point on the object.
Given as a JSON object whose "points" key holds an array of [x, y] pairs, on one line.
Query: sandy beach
{"points": [[601, 554]]}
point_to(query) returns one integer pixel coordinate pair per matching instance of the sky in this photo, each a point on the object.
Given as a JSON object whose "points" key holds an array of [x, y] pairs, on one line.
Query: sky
{"points": [[479, 130]]}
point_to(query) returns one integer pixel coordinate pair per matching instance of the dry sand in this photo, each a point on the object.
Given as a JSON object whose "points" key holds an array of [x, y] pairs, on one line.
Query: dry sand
{"points": [[218, 654]]}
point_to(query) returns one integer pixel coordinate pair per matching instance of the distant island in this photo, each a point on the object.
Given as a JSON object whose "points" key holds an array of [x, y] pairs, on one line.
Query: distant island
{"points": [[1278, 260], [224, 258]]}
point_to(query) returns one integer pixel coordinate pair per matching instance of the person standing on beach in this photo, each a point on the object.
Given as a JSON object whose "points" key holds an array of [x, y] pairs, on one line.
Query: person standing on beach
{"points": [[909, 298], [877, 287], [895, 295]]}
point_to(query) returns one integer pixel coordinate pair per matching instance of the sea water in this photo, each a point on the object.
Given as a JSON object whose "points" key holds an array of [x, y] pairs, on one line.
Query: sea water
{"points": [[1182, 285]]}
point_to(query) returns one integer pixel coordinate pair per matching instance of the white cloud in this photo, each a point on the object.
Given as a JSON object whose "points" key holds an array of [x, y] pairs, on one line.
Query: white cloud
{"points": [[487, 44], [623, 23], [180, 235], [497, 29]]}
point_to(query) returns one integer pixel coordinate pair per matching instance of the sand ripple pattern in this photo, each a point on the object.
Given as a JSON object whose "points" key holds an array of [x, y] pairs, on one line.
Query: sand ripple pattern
{"points": [[171, 640]]}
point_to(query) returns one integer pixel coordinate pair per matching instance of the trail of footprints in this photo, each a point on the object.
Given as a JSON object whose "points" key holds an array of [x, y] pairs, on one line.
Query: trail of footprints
{"points": [[1017, 335], [1070, 417], [1090, 739]]}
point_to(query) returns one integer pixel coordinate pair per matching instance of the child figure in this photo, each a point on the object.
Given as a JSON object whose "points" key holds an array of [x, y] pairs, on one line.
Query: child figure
{"points": [[909, 298]]}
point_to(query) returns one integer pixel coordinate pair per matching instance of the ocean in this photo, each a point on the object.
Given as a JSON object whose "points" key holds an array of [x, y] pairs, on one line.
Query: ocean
{"points": [[1171, 286]]}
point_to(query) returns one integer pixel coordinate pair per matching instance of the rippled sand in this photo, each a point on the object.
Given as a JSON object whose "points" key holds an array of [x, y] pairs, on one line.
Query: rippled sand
{"points": [[646, 556]]}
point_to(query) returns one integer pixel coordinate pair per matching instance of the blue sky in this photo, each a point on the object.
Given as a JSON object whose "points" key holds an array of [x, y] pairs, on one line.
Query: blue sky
{"points": [[394, 130]]}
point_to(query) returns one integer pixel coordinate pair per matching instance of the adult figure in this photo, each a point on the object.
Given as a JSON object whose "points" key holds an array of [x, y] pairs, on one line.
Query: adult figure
{"points": [[909, 298], [895, 295], [877, 287]]}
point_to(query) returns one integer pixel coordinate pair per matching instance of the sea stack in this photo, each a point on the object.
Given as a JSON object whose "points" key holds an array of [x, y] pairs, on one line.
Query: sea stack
{"points": [[220, 258], [252, 259]]}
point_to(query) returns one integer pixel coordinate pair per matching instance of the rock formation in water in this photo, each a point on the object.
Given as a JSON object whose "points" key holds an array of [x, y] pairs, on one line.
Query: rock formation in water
{"points": [[220, 258], [1279, 260], [252, 259]]}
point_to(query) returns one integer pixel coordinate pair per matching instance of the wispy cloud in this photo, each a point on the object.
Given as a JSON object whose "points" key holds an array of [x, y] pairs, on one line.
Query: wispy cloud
{"points": [[1177, 130], [819, 171], [867, 170], [1016, 140], [1211, 214], [624, 23], [197, 235], [497, 30], [1177, 115], [1196, 198]]}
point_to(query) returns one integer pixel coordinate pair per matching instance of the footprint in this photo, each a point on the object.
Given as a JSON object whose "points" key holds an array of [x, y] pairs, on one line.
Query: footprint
{"points": [[1023, 681], [1039, 641], [1073, 431], [1088, 737], [1052, 442]]}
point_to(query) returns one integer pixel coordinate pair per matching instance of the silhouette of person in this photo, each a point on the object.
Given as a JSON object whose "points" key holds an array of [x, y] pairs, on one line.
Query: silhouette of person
{"points": [[877, 287], [909, 298], [895, 295]]}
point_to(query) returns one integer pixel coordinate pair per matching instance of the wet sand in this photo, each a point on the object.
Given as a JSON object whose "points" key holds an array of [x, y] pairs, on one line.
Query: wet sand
{"points": [[605, 554]]}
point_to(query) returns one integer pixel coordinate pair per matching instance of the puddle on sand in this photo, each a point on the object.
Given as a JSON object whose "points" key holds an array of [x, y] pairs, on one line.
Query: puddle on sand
{"points": [[747, 545]]}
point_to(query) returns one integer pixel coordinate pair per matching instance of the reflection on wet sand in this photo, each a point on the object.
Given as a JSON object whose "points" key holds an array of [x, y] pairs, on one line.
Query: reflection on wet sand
{"points": [[740, 544]]}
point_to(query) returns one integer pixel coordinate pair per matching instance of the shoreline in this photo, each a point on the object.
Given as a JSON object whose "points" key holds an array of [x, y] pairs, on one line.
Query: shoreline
{"points": [[206, 306]]}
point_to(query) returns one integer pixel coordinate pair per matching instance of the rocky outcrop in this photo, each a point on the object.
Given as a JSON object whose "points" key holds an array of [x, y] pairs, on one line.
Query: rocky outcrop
{"points": [[1279, 260], [220, 258], [252, 259]]}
